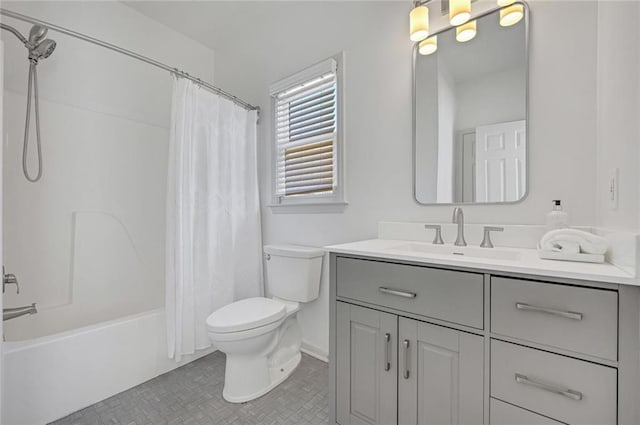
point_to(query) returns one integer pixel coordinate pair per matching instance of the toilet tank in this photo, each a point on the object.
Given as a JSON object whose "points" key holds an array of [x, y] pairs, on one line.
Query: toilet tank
{"points": [[293, 272]]}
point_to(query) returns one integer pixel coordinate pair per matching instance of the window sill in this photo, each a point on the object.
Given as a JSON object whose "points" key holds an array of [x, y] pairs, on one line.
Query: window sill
{"points": [[309, 208]]}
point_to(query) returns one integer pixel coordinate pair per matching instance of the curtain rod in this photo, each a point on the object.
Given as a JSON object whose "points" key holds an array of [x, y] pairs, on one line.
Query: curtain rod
{"points": [[129, 53]]}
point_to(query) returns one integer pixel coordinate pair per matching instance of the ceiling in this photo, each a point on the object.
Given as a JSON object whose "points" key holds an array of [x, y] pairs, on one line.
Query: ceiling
{"points": [[216, 24]]}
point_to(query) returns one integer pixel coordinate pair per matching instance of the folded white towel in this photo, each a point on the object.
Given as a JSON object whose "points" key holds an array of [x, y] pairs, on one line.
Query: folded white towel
{"points": [[568, 247], [568, 240]]}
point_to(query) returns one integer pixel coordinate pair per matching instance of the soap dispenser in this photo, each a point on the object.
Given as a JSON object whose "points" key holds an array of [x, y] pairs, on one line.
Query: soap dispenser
{"points": [[556, 218]]}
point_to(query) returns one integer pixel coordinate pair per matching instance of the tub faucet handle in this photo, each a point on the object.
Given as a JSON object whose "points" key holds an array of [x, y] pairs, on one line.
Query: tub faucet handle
{"points": [[9, 279]]}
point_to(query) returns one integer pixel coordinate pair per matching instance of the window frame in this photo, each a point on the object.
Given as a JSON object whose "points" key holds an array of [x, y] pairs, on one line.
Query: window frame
{"points": [[320, 202]]}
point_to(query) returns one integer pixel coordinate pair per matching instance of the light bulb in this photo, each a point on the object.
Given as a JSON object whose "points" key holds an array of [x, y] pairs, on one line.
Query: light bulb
{"points": [[503, 3], [428, 46], [419, 23], [511, 15], [466, 32], [459, 11]]}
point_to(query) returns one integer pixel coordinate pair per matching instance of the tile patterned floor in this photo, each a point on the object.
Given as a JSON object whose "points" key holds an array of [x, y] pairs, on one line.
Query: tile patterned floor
{"points": [[192, 395]]}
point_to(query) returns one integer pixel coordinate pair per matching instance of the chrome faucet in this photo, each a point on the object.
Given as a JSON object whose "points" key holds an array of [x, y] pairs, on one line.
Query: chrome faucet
{"points": [[458, 218], [12, 313]]}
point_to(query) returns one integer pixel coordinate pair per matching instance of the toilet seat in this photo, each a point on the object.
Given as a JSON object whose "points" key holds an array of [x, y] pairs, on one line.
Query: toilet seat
{"points": [[247, 314]]}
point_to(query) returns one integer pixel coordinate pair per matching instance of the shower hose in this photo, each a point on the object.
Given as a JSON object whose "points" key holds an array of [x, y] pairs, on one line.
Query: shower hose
{"points": [[32, 87]]}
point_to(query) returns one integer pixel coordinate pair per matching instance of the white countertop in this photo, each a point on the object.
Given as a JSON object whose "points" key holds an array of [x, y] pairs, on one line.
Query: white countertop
{"points": [[528, 263]]}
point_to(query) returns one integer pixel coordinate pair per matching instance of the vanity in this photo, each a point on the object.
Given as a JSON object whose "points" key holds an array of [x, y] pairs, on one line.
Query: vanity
{"points": [[468, 335], [439, 332]]}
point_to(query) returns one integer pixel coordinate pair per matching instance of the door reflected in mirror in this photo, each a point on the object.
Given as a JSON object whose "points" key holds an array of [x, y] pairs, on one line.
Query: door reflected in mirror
{"points": [[470, 116]]}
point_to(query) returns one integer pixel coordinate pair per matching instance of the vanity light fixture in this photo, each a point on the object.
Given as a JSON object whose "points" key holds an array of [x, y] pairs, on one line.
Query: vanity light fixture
{"points": [[419, 23], [459, 11], [428, 46], [467, 31], [510, 14]]}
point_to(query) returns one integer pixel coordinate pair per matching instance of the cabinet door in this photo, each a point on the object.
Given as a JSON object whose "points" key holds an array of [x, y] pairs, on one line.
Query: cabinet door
{"points": [[366, 366], [441, 375]]}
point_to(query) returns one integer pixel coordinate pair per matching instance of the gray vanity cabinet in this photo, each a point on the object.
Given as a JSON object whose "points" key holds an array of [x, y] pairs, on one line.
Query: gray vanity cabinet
{"points": [[366, 366], [441, 375], [416, 344], [394, 370]]}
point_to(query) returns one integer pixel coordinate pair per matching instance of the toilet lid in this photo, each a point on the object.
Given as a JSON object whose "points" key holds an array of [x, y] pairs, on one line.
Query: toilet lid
{"points": [[246, 314]]}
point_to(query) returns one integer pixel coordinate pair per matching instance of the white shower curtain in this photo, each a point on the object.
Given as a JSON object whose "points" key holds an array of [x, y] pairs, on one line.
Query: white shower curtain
{"points": [[213, 245]]}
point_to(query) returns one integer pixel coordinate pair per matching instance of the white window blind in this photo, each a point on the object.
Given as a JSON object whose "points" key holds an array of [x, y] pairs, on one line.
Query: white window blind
{"points": [[305, 134]]}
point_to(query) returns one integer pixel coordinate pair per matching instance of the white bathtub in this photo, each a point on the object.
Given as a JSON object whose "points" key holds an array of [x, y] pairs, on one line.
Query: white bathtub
{"points": [[50, 377]]}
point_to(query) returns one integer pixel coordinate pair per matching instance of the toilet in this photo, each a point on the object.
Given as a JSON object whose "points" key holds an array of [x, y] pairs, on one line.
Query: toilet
{"points": [[261, 336]]}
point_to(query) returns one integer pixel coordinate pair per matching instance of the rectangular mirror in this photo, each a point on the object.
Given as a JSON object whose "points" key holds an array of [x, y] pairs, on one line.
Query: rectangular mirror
{"points": [[470, 111]]}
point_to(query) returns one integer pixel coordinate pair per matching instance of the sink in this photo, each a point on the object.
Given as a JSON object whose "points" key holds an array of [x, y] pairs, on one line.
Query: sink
{"points": [[424, 249]]}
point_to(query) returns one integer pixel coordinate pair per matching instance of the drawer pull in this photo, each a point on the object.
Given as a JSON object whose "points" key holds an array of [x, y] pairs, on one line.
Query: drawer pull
{"points": [[573, 395], [566, 314], [387, 346], [398, 292], [405, 344]]}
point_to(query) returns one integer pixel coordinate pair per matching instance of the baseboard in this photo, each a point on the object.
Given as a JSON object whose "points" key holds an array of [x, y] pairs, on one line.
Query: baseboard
{"points": [[315, 352]]}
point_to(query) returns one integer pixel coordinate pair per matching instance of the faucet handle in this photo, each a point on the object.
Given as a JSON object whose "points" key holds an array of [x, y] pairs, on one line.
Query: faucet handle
{"points": [[9, 279], [437, 239], [486, 240]]}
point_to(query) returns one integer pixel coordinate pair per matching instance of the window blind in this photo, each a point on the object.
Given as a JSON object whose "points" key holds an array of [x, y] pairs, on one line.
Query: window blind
{"points": [[305, 126]]}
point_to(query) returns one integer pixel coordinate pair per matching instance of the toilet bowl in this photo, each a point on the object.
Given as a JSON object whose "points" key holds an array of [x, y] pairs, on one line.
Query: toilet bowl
{"points": [[261, 336]]}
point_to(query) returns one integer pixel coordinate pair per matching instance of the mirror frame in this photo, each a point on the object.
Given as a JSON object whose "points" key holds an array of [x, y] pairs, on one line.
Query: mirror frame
{"points": [[527, 20]]}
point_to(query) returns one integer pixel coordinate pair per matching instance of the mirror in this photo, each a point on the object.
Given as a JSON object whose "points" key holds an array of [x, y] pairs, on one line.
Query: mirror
{"points": [[470, 116]]}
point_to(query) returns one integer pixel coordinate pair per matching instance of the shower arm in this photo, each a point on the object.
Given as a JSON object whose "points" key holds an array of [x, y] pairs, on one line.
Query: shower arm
{"points": [[15, 32]]}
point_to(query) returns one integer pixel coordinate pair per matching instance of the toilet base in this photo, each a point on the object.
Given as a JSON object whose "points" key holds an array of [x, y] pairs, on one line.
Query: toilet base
{"points": [[276, 376]]}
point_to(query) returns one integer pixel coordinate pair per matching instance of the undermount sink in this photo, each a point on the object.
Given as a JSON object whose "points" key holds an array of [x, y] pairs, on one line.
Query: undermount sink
{"points": [[415, 248]]}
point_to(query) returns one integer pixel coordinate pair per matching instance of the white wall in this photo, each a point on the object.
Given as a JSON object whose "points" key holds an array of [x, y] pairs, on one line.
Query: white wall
{"points": [[378, 118], [618, 112], [105, 120], [427, 122], [447, 120], [490, 99]]}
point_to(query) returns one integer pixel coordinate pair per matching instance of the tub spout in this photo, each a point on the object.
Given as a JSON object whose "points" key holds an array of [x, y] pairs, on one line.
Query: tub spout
{"points": [[12, 313]]}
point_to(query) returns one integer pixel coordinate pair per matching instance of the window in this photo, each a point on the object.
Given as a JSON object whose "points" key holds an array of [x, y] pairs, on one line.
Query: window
{"points": [[307, 142]]}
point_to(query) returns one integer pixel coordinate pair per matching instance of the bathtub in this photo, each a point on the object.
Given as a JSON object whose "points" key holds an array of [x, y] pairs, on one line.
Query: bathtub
{"points": [[49, 377]]}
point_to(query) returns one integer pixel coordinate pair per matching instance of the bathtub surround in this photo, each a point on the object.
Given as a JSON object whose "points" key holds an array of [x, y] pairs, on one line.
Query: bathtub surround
{"points": [[214, 244], [105, 126], [111, 129]]}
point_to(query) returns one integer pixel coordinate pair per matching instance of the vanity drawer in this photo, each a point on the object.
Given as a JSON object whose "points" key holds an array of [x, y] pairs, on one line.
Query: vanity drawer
{"points": [[583, 320], [566, 389], [502, 413], [441, 294]]}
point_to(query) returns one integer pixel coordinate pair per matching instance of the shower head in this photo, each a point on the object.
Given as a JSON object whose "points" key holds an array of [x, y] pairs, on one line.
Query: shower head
{"points": [[42, 50], [37, 34]]}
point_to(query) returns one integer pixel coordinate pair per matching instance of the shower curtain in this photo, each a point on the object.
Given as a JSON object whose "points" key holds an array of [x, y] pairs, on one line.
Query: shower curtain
{"points": [[213, 243]]}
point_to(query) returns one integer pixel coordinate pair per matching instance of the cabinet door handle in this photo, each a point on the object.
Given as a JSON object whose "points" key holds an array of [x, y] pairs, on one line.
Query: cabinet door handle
{"points": [[566, 314], [398, 292], [387, 346], [566, 392], [405, 344]]}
